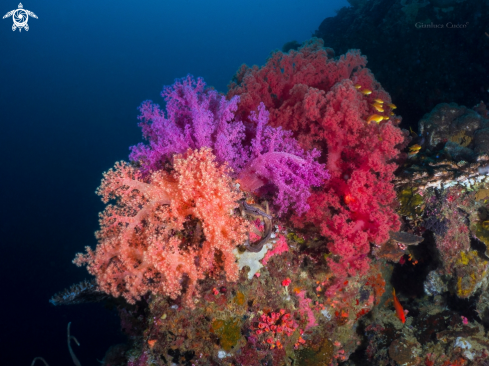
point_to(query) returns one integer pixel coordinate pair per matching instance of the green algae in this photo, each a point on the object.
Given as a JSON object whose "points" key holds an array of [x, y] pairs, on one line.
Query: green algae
{"points": [[228, 331], [316, 354], [483, 235], [411, 203]]}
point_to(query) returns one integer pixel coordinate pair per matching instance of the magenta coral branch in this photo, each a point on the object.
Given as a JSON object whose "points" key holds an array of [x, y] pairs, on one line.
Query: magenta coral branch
{"points": [[196, 117], [277, 159]]}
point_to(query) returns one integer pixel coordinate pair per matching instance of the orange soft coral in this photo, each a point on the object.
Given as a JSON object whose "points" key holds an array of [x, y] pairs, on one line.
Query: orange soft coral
{"points": [[168, 231]]}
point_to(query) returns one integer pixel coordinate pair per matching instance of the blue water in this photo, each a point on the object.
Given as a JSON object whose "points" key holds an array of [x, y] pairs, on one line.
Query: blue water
{"points": [[69, 91]]}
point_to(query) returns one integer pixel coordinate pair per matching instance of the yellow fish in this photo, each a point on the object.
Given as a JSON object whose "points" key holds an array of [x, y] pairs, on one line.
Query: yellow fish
{"points": [[386, 117], [375, 117], [357, 86], [366, 91], [377, 100], [378, 107], [392, 106], [415, 148]]}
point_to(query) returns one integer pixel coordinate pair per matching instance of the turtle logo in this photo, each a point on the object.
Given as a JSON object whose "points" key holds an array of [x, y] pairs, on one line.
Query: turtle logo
{"points": [[20, 17]]}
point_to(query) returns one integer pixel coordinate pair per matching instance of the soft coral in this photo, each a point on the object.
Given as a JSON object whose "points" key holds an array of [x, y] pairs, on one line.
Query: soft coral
{"points": [[144, 245], [276, 158], [196, 117], [320, 100]]}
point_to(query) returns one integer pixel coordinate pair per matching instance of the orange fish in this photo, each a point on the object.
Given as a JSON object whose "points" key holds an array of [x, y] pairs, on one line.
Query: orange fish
{"points": [[375, 117], [399, 309], [151, 343]]}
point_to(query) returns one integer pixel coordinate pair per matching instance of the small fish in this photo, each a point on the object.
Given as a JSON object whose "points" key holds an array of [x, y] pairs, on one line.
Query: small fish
{"points": [[366, 91], [415, 148], [377, 100], [151, 343], [375, 117], [392, 106], [398, 307], [357, 86], [349, 199], [378, 107], [386, 118], [414, 134]]}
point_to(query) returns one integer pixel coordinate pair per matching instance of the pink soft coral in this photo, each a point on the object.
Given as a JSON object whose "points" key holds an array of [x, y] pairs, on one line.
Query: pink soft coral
{"points": [[277, 159], [305, 309], [144, 245], [327, 103], [278, 248]]}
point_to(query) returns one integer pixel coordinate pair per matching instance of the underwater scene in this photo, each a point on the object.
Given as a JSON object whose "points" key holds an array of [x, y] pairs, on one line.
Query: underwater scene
{"points": [[270, 183]]}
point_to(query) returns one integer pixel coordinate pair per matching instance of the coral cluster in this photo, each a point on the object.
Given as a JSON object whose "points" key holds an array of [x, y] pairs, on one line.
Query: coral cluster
{"points": [[331, 104], [240, 231], [291, 221], [263, 226], [151, 238], [199, 117]]}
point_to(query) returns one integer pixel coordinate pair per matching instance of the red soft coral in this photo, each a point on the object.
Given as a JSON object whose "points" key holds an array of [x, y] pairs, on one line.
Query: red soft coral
{"points": [[356, 207], [144, 245], [327, 104]]}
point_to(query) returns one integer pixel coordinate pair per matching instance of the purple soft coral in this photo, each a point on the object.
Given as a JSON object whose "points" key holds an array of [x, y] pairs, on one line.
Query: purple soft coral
{"points": [[196, 116], [277, 158]]}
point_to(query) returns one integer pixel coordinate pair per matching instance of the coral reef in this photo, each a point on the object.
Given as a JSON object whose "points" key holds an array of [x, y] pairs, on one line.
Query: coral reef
{"points": [[197, 117], [271, 226], [329, 104], [436, 337]]}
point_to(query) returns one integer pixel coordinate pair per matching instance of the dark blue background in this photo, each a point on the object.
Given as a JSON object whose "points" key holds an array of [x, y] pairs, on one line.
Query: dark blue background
{"points": [[69, 89]]}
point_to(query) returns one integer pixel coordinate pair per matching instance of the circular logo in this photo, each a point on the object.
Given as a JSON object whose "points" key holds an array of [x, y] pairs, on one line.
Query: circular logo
{"points": [[20, 18]]}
